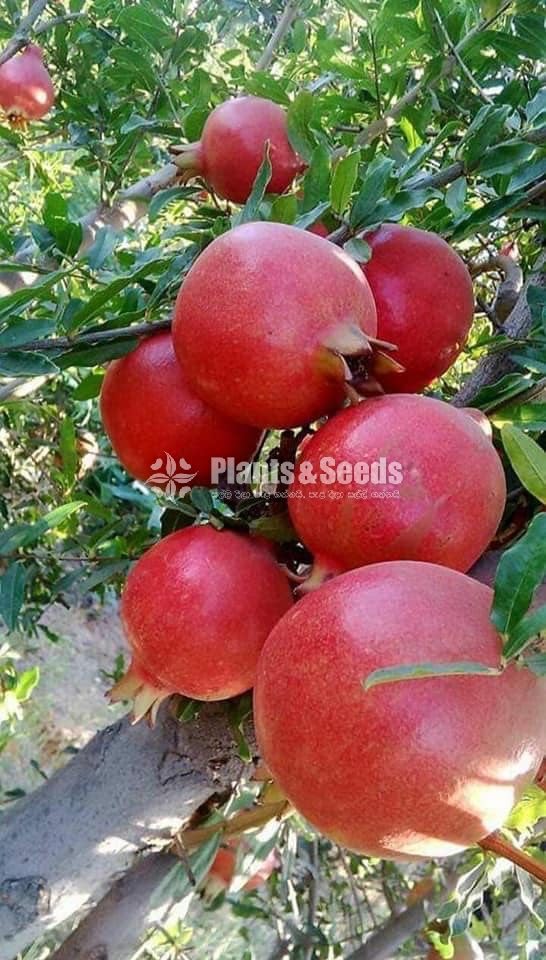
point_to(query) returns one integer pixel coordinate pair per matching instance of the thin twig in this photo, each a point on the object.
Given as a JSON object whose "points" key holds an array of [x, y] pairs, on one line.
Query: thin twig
{"points": [[313, 897], [453, 49], [495, 843], [89, 339], [53, 22], [22, 35], [283, 26]]}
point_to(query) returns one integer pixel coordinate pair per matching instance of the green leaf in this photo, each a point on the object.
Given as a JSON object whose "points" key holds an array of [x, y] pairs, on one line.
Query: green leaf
{"points": [[358, 249], [284, 209], [527, 629], [277, 528], [504, 158], [316, 183], [527, 416], [371, 191], [201, 498], [251, 208], [12, 594], [98, 355], [179, 883], [529, 810], [521, 569], [536, 662], [455, 196], [67, 449], [89, 387], [22, 363], [21, 331], [26, 682], [299, 117], [343, 181], [419, 671], [527, 459], [165, 197], [483, 131], [102, 247], [307, 219]]}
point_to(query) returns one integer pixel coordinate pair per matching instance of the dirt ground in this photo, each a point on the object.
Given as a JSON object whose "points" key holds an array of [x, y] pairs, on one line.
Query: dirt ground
{"points": [[68, 705]]}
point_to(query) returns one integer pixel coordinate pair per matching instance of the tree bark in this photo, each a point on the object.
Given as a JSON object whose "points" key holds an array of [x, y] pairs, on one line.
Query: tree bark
{"points": [[111, 931], [62, 847], [385, 942]]}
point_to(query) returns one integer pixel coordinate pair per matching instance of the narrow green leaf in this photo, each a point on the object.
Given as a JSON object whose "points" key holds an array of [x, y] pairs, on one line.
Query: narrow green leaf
{"points": [[371, 191], [165, 197], [504, 158], [299, 117], [89, 387], [251, 208], [343, 181], [316, 183], [527, 629], [307, 219], [67, 448], [521, 569], [536, 662], [419, 671], [527, 416], [20, 363], [527, 459], [12, 594], [26, 683], [358, 249]]}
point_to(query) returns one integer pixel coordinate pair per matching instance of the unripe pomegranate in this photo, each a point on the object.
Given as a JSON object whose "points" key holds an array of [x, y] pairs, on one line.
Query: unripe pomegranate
{"points": [[232, 145], [150, 413], [423, 482], [26, 90], [196, 610], [263, 320], [425, 303], [420, 768]]}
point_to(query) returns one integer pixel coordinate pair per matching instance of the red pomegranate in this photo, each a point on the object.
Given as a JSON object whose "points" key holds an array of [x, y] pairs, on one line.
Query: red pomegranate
{"points": [[421, 768], [196, 610], [425, 303], [416, 480], [151, 414], [319, 228], [222, 871], [262, 322], [232, 146], [26, 90]]}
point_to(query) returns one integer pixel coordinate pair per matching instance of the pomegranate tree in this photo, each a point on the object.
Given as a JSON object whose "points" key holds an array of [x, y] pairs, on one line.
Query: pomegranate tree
{"points": [[424, 299], [150, 413], [264, 320], [196, 610], [421, 768], [232, 145], [26, 90], [424, 482]]}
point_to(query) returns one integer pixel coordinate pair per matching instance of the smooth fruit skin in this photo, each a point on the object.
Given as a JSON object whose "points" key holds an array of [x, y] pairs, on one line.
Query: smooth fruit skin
{"points": [[419, 768], [425, 302], [258, 321], [232, 147], [197, 608], [26, 90], [148, 411], [446, 510]]}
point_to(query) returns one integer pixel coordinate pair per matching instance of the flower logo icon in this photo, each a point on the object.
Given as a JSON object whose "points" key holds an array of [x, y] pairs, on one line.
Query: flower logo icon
{"points": [[166, 479]]}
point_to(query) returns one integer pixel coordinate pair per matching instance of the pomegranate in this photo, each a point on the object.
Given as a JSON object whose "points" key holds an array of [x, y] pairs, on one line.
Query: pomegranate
{"points": [[263, 320], [26, 90], [196, 609], [232, 147], [421, 768], [425, 303], [150, 413], [320, 229], [423, 482]]}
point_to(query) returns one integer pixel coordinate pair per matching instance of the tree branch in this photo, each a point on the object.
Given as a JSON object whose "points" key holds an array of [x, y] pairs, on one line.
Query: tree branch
{"points": [[283, 26], [22, 35], [91, 338], [62, 847], [493, 367], [385, 942]]}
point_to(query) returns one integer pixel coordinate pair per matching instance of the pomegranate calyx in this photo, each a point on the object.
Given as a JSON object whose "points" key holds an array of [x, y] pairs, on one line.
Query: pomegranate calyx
{"points": [[188, 157], [146, 698], [321, 571]]}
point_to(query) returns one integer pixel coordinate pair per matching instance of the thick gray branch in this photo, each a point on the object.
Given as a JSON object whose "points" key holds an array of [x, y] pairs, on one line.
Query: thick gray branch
{"points": [[63, 847], [22, 35]]}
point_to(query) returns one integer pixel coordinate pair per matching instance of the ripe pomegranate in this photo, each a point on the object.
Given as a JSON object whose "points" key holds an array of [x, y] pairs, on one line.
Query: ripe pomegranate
{"points": [[424, 483], [231, 149], [421, 768], [425, 303], [465, 947], [319, 228], [26, 90], [263, 320], [196, 609], [150, 414]]}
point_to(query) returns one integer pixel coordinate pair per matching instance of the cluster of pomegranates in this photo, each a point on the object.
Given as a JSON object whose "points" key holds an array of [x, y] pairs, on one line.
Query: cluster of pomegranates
{"points": [[26, 90], [276, 327]]}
